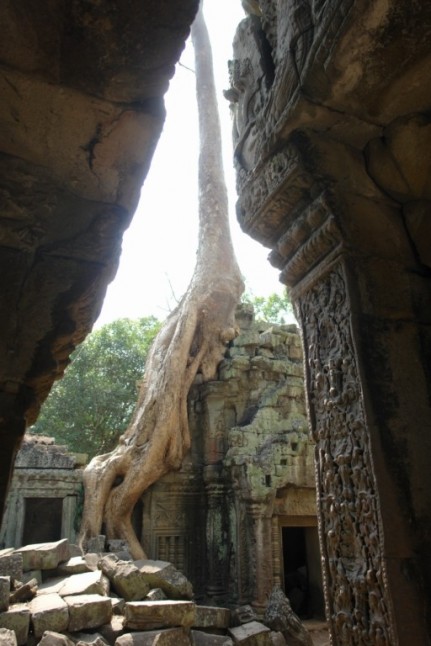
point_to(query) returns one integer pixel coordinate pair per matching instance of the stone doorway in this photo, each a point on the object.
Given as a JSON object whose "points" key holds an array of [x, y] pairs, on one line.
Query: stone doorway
{"points": [[301, 570], [42, 520]]}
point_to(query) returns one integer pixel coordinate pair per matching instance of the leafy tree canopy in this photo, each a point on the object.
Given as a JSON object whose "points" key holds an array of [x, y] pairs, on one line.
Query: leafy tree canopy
{"points": [[90, 407], [274, 308]]}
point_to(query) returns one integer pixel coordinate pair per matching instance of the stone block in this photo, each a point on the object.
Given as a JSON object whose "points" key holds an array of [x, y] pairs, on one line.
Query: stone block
{"points": [[7, 637], [24, 592], [167, 637], [156, 594], [49, 612], [94, 639], [114, 629], [146, 615], [17, 618], [243, 615], [51, 638], [125, 578], [251, 634], [96, 544], [4, 592], [11, 564], [277, 639], [75, 565], [44, 556], [88, 611], [32, 574], [161, 574], [200, 638], [85, 583], [212, 617]]}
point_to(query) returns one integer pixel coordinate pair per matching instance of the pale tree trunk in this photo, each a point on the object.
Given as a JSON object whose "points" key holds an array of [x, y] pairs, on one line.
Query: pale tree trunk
{"points": [[192, 341]]}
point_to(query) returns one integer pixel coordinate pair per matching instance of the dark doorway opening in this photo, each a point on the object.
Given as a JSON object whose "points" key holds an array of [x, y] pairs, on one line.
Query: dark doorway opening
{"points": [[42, 520], [295, 570], [302, 571]]}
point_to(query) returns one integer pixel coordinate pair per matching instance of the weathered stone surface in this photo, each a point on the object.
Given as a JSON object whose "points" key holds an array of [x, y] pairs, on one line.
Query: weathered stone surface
{"points": [[36, 455], [161, 574], [212, 617], [125, 577], [17, 618], [32, 574], [96, 544], [7, 637], [253, 634], [280, 617], [243, 615], [49, 612], [146, 615], [11, 564], [25, 592], [168, 637], [156, 594], [277, 639], [88, 611], [75, 565], [44, 556], [4, 592], [85, 583], [51, 638], [82, 639], [201, 638]]}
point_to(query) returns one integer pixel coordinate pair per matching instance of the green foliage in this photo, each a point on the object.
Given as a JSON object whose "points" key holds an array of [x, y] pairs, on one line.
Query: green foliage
{"points": [[91, 405], [274, 308]]}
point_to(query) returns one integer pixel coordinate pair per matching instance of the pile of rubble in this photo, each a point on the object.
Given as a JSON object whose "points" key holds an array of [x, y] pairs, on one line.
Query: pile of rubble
{"points": [[51, 595]]}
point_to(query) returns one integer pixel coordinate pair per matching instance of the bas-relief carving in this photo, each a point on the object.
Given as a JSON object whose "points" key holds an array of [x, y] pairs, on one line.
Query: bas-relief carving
{"points": [[354, 571]]}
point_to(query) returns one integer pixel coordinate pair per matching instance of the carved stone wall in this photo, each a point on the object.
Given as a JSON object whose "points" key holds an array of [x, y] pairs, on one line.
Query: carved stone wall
{"points": [[250, 473], [331, 147]]}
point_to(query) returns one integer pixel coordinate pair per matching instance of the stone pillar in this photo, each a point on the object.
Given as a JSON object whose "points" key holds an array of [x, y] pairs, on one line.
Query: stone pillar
{"points": [[217, 533], [68, 518], [261, 523], [276, 552]]}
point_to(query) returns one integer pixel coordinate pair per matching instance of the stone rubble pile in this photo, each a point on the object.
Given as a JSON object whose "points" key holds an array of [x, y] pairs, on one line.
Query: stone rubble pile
{"points": [[51, 595]]}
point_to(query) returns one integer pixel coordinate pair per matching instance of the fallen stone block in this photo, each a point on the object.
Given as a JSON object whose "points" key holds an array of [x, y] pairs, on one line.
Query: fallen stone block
{"points": [[85, 640], [280, 617], [11, 564], [96, 544], [243, 615], [88, 611], [161, 574], [51, 638], [114, 629], [201, 638], [32, 574], [212, 617], [17, 619], [156, 594], [4, 592], [146, 615], [118, 605], [24, 592], [167, 637], [85, 583], [251, 634], [75, 565], [7, 637], [277, 639], [44, 556], [92, 560], [125, 578], [49, 612]]}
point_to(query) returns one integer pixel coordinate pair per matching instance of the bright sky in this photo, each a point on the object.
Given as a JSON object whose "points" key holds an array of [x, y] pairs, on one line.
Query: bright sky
{"points": [[159, 247]]}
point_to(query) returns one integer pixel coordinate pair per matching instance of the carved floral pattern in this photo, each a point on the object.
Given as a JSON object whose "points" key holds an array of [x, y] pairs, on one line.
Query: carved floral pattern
{"points": [[357, 594]]}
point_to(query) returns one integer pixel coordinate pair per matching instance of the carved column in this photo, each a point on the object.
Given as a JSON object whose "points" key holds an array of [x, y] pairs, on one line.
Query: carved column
{"points": [[260, 516], [343, 250], [217, 533]]}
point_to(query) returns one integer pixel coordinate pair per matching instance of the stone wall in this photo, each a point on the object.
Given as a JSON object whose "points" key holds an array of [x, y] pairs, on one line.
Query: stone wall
{"points": [[44, 496]]}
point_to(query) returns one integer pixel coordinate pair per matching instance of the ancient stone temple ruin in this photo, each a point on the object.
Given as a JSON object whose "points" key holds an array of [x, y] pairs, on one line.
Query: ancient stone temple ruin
{"points": [[332, 145], [44, 496], [240, 516]]}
